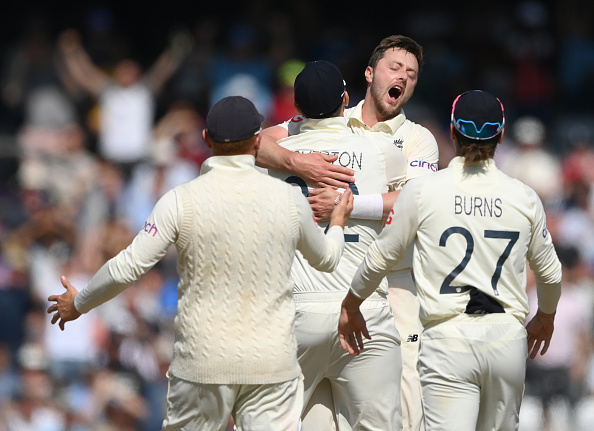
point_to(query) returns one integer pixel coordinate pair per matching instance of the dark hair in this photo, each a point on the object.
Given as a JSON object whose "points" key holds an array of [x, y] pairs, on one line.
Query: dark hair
{"points": [[398, 42], [476, 151], [338, 112]]}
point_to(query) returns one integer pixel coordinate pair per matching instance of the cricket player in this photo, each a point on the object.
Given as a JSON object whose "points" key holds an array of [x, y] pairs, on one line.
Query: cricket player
{"points": [[392, 75], [473, 228], [365, 389], [235, 352]]}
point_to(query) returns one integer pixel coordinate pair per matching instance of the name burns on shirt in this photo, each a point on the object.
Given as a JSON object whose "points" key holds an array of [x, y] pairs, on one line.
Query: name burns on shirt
{"points": [[478, 206]]}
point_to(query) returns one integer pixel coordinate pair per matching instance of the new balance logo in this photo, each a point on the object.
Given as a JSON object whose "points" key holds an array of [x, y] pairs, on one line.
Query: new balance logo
{"points": [[412, 338]]}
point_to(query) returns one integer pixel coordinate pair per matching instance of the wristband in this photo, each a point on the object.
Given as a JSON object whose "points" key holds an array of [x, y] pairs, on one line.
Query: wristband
{"points": [[369, 207]]}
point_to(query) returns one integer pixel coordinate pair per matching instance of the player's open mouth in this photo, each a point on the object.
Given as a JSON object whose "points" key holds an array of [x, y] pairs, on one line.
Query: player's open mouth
{"points": [[394, 93]]}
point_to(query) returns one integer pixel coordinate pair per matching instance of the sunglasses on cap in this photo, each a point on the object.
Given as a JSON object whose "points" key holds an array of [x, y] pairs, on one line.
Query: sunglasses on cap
{"points": [[469, 128]]}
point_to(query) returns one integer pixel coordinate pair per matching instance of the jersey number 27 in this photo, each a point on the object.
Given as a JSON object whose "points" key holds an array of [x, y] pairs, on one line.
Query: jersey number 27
{"points": [[511, 236]]}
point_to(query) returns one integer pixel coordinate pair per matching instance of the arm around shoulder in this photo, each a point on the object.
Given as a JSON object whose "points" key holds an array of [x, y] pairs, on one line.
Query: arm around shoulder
{"points": [[271, 155], [314, 168]]}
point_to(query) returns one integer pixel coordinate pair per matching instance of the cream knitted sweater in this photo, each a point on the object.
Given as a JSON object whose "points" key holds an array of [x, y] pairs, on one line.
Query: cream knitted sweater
{"points": [[236, 231]]}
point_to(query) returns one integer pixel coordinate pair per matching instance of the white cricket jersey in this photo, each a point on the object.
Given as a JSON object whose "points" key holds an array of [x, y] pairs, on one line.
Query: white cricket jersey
{"points": [[416, 142], [126, 122], [235, 312], [377, 164], [472, 228]]}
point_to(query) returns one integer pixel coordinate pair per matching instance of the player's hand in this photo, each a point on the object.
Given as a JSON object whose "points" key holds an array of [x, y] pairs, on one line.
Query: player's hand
{"points": [[69, 41], [322, 201], [317, 169], [342, 210], [64, 305], [351, 325], [540, 330], [180, 42]]}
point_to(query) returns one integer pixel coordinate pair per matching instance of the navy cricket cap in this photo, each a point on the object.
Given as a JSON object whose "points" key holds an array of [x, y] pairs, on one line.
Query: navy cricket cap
{"points": [[233, 119], [478, 115], [319, 89]]}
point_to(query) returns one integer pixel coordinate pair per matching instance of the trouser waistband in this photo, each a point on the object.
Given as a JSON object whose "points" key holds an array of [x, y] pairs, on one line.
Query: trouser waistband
{"points": [[332, 296]]}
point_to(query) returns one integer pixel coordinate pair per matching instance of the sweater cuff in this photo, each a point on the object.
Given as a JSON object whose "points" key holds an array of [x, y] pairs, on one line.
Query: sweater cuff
{"points": [[369, 207]]}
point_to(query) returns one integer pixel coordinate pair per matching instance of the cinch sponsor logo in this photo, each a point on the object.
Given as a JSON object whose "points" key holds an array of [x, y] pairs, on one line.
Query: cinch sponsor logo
{"points": [[423, 164], [150, 228], [297, 118]]}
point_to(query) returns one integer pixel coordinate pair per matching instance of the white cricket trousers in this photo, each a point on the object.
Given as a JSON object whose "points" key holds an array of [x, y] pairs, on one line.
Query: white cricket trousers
{"points": [[472, 370], [196, 406], [405, 306], [365, 388]]}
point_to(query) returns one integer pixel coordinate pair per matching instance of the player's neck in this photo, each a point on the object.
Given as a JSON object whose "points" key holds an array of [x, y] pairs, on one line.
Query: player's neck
{"points": [[370, 115]]}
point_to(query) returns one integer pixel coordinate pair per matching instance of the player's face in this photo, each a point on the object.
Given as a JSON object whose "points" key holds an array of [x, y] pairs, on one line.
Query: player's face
{"points": [[392, 82]]}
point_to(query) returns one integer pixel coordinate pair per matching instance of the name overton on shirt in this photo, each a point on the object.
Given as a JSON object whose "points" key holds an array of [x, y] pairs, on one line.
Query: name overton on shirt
{"points": [[345, 159]]}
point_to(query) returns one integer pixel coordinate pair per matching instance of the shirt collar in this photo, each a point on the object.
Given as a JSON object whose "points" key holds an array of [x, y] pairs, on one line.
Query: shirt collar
{"points": [[231, 163], [332, 123], [355, 119]]}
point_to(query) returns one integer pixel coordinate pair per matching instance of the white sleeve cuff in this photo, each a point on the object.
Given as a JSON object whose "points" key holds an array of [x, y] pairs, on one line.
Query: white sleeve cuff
{"points": [[368, 207]]}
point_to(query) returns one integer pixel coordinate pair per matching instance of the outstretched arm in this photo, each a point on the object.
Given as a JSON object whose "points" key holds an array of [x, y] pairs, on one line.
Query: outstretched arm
{"points": [[79, 65], [315, 168], [168, 62], [147, 248]]}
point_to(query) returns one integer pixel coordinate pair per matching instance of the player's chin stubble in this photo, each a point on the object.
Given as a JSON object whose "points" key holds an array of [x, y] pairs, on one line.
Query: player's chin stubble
{"points": [[385, 111]]}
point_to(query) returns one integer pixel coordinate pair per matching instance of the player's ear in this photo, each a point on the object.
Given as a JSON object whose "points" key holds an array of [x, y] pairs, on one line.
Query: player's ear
{"points": [[299, 111], [345, 100], [501, 137], [258, 140], [369, 74], [206, 138]]}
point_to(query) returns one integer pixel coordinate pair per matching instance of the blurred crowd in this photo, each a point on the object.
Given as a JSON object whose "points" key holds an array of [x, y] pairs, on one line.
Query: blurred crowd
{"points": [[93, 131]]}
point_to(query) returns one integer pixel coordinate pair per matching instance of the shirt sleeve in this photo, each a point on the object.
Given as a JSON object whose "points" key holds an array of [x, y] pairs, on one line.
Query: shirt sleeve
{"points": [[423, 156], [543, 260], [148, 247], [323, 252], [284, 124], [293, 125], [396, 169], [391, 245]]}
